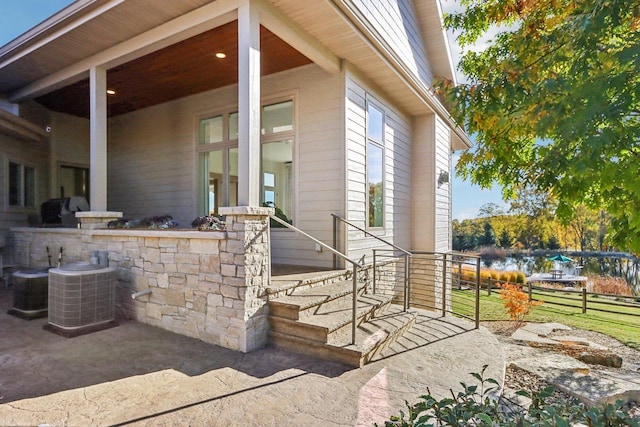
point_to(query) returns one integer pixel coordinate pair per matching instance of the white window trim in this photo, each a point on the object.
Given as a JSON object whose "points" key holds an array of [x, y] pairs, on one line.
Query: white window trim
{"points": [[369, 100], [21, 207], [227, 143]]}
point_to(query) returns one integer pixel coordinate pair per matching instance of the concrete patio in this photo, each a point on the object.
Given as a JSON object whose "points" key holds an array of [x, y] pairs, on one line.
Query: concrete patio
{"points": [[137, 374]]}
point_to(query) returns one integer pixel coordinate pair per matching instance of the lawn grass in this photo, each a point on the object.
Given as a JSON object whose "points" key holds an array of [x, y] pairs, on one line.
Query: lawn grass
{"points": [[625, 328]]}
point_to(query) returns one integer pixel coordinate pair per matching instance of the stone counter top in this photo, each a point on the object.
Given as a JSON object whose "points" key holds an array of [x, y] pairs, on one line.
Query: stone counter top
{"points": [[142, 232]]}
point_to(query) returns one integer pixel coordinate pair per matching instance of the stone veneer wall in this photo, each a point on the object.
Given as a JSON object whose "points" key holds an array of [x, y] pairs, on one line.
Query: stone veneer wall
{"points": [[206, 285]]}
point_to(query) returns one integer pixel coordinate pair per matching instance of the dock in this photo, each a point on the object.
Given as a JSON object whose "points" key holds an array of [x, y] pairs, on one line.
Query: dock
{"points": [[554, 277]]}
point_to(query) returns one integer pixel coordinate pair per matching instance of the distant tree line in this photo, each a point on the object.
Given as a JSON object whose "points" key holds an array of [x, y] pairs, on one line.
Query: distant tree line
{"points": [[531, 223]]}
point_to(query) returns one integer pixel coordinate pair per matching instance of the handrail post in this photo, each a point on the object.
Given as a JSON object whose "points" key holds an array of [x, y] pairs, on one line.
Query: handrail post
{"points": [[477, 314], [354, 304], [375, 265], [407, 281], [335, 241], [444, 285]]}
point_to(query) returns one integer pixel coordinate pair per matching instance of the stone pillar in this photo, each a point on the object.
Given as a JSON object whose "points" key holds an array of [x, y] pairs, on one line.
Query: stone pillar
{"points": [[246, 270], [92, 220]]}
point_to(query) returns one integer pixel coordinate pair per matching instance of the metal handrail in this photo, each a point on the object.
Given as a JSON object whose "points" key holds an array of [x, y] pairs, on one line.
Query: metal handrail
{"points": [[338, 217], [450, 258], [355, 266], [406, 254]]}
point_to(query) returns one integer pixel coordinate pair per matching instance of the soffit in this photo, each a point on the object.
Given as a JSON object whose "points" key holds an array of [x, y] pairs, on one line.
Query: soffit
{"points": [[117, 22], [182, 69]]}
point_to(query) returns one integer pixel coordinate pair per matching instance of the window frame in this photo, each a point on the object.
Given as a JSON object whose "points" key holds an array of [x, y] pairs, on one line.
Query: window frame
{"points": [[75, 166], [203, 149], [21, 205], [227, 143], [370, 140]]}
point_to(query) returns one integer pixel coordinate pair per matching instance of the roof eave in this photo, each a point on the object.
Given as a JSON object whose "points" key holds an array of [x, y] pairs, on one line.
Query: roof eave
{"points": [[51, 26]]}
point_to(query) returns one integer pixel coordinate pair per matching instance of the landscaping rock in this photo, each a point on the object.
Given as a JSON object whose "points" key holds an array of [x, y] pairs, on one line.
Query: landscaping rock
{"points": [[544, 329], [578, 341], [610, 360], [525, 335]]}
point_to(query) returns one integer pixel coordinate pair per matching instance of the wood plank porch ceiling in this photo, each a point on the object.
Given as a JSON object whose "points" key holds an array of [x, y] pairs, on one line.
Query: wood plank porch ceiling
{"points": [[185, 68]]}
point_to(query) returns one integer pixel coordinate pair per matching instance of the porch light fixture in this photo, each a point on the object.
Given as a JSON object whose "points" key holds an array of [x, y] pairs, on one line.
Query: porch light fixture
{"points": [[111, 92], [443, 178], [221, 55]]}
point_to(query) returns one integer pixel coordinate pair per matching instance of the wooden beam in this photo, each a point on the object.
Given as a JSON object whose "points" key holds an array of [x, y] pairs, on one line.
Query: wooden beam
{"points": [[19, 128], [296, 37]]}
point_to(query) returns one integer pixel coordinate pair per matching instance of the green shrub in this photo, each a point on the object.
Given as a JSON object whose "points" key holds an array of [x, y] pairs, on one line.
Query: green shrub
{"points": [[477, 406]]}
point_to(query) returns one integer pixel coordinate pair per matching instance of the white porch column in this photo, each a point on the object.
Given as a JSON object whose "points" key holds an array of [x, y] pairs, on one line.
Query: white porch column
{"points": [[248, 105], [98, 138]]}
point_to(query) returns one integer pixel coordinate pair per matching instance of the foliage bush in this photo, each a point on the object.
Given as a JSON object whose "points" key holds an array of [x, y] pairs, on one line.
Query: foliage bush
{"points": [[609, 285], [516, 302], [467, 274], [477, 405]]}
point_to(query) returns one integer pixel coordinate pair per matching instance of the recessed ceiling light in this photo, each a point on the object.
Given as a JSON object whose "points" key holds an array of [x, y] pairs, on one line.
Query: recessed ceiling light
{"points": [[221, 55], [111, 92]]}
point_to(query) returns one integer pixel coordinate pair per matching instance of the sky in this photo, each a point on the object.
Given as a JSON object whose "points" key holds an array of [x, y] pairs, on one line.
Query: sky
{"points": [[467, 198], [19, 16]]}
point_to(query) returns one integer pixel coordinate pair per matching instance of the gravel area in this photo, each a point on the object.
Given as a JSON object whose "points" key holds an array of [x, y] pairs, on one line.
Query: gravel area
{"points": [[630, 356], [520, 379]]}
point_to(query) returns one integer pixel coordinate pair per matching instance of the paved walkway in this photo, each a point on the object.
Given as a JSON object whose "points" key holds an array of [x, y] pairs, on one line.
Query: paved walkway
{"points": [[135, 374]]}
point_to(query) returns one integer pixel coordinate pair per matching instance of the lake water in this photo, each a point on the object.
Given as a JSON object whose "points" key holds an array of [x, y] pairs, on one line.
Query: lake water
{"points": [[601, 265]]}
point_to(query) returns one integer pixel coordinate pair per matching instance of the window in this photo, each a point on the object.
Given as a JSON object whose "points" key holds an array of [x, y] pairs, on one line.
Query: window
{"points": [[211, 130], [375, 166], [219, 178], [277, 118], [74, 181], [277, 188], [218, 159], [22, 185]]}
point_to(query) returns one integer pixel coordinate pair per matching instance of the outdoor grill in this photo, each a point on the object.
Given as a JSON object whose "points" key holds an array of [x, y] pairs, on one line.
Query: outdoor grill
{"points": [[62, 212]]}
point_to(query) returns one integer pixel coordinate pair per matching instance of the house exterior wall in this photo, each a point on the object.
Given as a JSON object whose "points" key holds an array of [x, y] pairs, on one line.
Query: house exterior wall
{"points": [[431, 225], [397, 24], [32, 154], [319, 160], [152, 162], [397, 173], [443, 191], [431, 201]]}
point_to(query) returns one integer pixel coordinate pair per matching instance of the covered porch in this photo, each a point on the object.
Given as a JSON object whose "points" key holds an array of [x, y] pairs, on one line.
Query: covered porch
{"points": [[167, 116], [241, 109]]}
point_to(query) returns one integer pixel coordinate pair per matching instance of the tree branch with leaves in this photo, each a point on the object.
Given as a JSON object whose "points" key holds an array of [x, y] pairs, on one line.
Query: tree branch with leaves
{"points": [[553, 103]]}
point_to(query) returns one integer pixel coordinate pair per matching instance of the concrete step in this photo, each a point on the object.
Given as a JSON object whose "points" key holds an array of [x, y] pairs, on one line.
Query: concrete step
{"points": [[310, 301], [321, 324], [373, 335], [288, 284]]}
